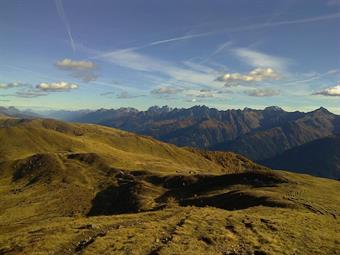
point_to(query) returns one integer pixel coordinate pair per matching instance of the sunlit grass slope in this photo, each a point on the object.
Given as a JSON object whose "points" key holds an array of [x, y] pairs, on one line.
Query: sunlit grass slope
{"points": [[86, 189]]}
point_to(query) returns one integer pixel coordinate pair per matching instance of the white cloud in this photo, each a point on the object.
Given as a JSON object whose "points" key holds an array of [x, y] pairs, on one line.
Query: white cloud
{"points": [[259, 59], [69, 64], [332, 91], [81, 69], [266, 92], [258, 74], [10, 85], [56, 86]]}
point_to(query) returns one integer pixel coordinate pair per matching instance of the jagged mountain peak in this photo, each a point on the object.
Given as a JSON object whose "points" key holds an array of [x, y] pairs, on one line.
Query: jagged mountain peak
{"points": [[322, 110], [159, 109], [273, 108]]}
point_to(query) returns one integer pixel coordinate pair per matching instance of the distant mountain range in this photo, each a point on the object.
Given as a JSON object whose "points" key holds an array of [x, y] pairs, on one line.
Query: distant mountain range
{"points": [[16, 113], [261, 135]]}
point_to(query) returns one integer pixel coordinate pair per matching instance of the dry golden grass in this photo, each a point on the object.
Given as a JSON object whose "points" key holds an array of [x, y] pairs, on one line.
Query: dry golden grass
{"points": [[86, 189]]}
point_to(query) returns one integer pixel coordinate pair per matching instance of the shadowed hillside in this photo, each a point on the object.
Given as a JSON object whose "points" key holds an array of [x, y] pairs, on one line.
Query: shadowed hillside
{"points": [[87, 189], [268, 143], [320, 158]]}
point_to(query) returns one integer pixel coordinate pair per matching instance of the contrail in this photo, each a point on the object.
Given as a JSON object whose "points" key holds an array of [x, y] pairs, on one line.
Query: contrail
{"points": [[287, 22], [180, 38], [230, 30], [62, 15], [239, 29]]}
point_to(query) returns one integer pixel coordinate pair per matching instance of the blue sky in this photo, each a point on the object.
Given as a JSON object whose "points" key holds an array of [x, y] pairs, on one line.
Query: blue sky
{"points": [[80, 54]]}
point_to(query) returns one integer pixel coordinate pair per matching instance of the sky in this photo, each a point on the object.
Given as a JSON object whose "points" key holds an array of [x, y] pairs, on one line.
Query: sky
{"points": [[87, 54]]}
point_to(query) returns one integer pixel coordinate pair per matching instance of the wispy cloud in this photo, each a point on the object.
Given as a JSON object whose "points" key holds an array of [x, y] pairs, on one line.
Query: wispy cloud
{"points": [[255, 26], [31, 93], [132, 60], [178, 38], [115, 85], [265, 92], [107, 93], [260, 59], [24, 90], [266, 66], [219, 49], [4, 98], [333, 2], [199, 67], [167, 90], [307, 78], [202, 93], [192, 100], [141, 62], [10, 85], [25, 70], [206, 94], [288, 22], [126, 95], [62, 15], [120, 95]]}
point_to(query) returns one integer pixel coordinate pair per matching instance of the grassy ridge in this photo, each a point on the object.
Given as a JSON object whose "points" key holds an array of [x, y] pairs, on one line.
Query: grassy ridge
{"points": [[23, 138], [86, 189]]}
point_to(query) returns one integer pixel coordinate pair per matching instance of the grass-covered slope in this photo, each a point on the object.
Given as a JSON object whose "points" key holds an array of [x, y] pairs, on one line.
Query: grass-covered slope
{"points": [[86, 189], [23, 138]]}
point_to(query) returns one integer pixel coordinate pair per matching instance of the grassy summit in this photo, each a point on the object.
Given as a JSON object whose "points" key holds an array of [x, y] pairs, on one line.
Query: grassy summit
{"points": [[86, 189]]}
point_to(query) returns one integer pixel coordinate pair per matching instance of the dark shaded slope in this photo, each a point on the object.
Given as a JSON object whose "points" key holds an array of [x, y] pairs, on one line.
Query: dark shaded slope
{"points": [[320, 158]]}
